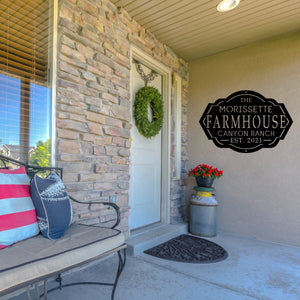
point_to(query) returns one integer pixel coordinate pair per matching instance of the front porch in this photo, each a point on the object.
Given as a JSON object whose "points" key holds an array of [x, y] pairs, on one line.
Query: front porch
{"points": [[89, 127], [254, 269]]}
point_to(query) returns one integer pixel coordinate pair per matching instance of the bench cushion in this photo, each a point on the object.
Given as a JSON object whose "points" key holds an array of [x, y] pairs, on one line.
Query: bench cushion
{"points": [[17, 214], [38, 257]]}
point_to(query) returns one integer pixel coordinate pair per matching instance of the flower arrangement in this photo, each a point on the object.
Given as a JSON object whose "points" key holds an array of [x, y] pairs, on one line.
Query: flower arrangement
{"points": [[205, 171]]}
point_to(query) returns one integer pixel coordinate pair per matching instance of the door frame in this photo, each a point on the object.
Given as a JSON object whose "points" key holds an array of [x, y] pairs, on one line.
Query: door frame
{"points": [[165, 72]]}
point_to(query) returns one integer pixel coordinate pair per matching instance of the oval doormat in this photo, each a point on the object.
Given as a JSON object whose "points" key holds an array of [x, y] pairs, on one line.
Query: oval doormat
{"points": [[191, 249]]}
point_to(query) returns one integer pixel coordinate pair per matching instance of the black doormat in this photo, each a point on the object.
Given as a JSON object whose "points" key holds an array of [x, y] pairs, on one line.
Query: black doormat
{"points": [[190, 249]]}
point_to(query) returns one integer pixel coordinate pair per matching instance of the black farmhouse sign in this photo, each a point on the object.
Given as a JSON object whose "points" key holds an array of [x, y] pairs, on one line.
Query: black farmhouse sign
{"points": [[246, 122]]}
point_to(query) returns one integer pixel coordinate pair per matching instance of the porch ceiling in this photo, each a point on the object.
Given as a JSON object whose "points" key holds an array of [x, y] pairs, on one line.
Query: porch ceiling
{"points": [[194, 28]]}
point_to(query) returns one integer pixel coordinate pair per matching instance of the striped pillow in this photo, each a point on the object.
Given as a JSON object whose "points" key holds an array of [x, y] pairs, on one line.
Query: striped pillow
{"points": [[17, 214]]}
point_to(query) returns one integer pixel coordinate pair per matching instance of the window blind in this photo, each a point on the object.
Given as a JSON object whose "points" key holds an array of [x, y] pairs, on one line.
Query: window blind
{"points": [[25, 98], [24, 38]]}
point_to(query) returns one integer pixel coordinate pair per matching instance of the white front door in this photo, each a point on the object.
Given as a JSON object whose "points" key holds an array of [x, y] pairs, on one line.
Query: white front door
{"points": [[145, 182]]}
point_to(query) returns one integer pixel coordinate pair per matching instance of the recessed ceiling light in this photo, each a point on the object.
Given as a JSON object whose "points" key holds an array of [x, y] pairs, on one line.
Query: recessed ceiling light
{"points": [[227, 5]]}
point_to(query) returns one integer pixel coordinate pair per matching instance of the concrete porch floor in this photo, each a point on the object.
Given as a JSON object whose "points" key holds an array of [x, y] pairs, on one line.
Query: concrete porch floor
{"points": [[254, 269]]}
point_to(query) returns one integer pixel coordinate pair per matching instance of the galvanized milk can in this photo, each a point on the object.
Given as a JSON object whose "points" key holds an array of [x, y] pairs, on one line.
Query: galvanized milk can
{"points": [[203, 212]]}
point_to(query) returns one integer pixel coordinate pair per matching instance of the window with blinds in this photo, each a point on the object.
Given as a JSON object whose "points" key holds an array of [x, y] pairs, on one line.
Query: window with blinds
{"points": [[25, 87]]}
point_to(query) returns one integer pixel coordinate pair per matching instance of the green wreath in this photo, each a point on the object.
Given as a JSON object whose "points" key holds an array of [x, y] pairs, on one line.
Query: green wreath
{"points": [[145, 96]]}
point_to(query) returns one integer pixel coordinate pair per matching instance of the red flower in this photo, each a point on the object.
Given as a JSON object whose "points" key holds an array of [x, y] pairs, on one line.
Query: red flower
{"points": [[203, 170]]}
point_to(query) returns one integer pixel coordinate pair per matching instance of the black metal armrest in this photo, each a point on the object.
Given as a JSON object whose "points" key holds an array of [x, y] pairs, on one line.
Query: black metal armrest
{"points": [[30, 169], [113, 205]]}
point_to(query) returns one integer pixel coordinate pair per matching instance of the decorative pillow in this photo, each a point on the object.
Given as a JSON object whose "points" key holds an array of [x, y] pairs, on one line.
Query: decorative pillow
{"points": [[52, 204], [17, 214]]}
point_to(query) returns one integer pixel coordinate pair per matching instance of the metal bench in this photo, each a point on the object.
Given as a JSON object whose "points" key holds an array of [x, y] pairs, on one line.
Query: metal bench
{"points": [[37, 259]]}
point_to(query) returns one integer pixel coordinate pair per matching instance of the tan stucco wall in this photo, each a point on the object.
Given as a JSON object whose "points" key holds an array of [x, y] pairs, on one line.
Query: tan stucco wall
{"points": [[259, 192]]}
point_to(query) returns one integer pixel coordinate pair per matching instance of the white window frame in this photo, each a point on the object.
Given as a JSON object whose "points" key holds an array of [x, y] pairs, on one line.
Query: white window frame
{"points": [[53, 80]]}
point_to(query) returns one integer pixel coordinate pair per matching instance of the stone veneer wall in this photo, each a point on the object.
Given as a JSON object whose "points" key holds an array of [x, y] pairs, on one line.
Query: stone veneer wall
{"points": [[94, 108]]}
